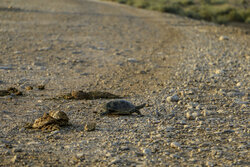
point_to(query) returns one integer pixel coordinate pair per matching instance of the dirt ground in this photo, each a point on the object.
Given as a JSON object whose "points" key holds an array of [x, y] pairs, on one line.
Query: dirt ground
{"points": [[140, 55]]}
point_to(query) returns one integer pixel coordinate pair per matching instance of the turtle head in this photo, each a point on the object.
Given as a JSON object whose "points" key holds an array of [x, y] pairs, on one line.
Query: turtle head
{"points": [[140, 106]]}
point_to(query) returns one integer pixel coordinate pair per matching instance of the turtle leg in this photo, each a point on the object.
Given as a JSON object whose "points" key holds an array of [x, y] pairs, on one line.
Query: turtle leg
{"points": [[138, 112], [106, 113]]}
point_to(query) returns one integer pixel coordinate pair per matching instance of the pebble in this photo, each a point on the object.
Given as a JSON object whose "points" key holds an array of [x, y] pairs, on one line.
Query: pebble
{"points": [[14, 150], [124, 148], [228, 131], [41, 87], [29, 88], [235, 94], [182, 122], [132, 60], [90, 126], [186, 126], [54, 132], [207, 113], [147, 151], [33, 143], [242, 146], [80, 155], [192, 115], [17, 52], [219, 71], [169, 128], [223, 38], [216, 153], [221, 111], [14, 159], [192, 160], [175, 156], [115, 161], [209, 164], [174, 98], [239, 84], [175, 145]]}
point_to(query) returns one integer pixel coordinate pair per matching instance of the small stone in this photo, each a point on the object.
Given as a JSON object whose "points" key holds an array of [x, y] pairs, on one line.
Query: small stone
{"points": [[223, 38], [193, 160], [192, 105], [207, 113], [182, 122], [142, 72], [219, 72], [221, 111], [239, 84], [14, 159], [169, 128], [147, 151], [29, 88], [17, 52], [242, 146], [173, 98], [195, 114], [33, 143], [186, 126], [124, 148], [216, 153], [190, 116], [235, 94], [209, 164], [115, 161], [175, 145], [54, 132], [228, 131], [44, 48], [132, 60], [41, 87], [74, 159], [90, 126], [14, 150], [188, 92], [80, 155], [175, 156]]}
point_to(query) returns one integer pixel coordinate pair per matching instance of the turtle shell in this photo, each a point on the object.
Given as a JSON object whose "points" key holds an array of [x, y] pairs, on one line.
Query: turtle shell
{"points": [[59, 115], [46, 119], [121, 106]]}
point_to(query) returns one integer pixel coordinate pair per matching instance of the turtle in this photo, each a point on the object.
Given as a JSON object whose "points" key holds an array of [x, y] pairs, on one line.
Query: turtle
{"points": [[121, 107], [50, 121]]}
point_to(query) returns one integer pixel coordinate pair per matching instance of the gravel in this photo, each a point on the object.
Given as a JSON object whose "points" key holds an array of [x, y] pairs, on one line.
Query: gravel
{"points": [[193, 76]]}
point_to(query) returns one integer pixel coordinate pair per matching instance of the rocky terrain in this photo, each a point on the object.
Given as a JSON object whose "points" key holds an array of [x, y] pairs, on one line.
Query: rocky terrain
{"points": [[192, 75]]}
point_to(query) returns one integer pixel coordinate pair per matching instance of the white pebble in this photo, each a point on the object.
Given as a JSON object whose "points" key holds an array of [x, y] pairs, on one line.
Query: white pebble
{"points": [[175, 145], [173, 98], [222, 38]]}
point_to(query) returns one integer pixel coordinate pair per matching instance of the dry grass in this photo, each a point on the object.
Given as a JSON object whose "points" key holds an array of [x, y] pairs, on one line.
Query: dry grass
{"points": [[219, 11]]}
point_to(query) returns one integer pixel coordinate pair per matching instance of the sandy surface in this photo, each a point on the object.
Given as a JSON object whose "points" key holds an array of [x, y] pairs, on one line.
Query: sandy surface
{"points": [[193, 75]]}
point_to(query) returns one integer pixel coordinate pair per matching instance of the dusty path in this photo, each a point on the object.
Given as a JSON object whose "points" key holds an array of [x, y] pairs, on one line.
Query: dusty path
{"points": [[146, 56], [99, 40]]}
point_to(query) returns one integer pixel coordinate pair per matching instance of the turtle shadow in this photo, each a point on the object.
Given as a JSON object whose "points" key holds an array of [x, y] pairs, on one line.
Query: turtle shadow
{"points": [[83, 95], [120, 115]]}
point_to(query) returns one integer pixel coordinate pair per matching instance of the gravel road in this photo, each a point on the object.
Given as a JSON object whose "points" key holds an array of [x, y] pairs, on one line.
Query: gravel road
{"points": [[192, 75]]}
